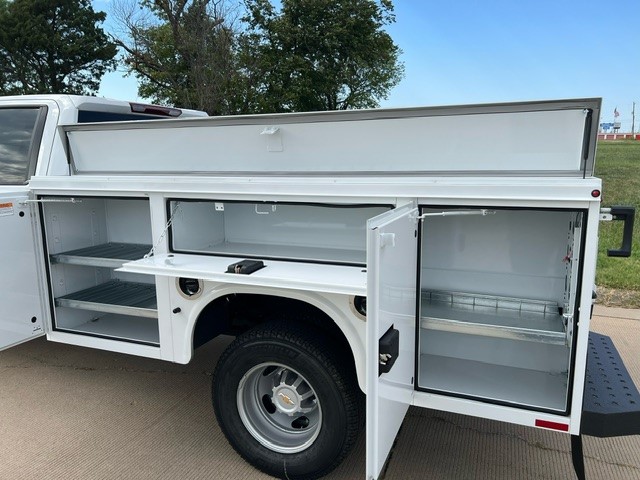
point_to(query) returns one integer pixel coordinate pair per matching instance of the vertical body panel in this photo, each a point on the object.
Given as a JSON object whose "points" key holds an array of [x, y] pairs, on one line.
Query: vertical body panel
{"points": [[585, 288], [391, 295], [21, 316]]}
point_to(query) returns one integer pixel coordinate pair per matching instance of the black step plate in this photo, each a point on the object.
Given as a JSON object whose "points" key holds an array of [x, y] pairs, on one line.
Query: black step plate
{"points": [[611, 405]]}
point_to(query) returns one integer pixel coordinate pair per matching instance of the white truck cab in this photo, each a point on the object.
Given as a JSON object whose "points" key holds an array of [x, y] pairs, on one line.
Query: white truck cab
{"points": [[438, 257], [30, 144]]}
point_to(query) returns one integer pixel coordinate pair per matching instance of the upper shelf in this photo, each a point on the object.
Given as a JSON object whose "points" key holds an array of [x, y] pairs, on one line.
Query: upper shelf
{"points": [[490, 316], [111, 255]]}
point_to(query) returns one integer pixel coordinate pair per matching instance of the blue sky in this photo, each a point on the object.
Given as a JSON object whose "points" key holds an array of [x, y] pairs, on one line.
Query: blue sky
{"points": [[502, 51]]}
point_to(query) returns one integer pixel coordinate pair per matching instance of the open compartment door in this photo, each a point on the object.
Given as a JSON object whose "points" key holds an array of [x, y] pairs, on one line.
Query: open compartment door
{"points": [[21, 318], [392, 251]]}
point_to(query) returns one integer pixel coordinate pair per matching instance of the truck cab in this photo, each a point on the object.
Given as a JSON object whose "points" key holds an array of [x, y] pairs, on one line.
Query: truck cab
{"points": [[31, 144]]}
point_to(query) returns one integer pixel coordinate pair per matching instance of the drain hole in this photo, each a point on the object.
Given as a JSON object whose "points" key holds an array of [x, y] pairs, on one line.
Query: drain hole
{"points": [[268, 404], [300, 423], [269, 370]]}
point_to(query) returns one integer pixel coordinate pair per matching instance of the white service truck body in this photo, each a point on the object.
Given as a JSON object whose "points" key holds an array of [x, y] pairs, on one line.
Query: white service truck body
{"points": [[438, 257]]}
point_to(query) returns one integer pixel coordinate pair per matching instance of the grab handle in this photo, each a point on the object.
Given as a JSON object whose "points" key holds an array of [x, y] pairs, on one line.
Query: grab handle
{"points": [[627, 215]]}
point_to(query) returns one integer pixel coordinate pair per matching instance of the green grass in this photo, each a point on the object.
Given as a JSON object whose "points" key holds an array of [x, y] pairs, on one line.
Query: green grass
{"points": [[618, 165]]}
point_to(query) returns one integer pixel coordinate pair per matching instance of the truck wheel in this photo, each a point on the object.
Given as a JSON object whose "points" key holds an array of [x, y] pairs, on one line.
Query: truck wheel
{"points": [[286, 402]]}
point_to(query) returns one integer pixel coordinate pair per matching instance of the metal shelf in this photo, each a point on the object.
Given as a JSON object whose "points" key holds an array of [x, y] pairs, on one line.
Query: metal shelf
{"points": [[514, 385], [111, 255], [500, 317], [119, 327], [125, 298]]}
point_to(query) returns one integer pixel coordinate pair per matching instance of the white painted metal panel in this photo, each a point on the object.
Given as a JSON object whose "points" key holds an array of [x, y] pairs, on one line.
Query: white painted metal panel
{"points": [[306, 232], [21, 316], [391, 297], [536, 192], [585, 287], [511, 253], [276, 274], [520, 138]]}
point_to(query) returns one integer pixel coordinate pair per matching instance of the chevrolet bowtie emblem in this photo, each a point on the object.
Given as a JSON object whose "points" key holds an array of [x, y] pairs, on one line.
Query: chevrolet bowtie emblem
{"points": [[286, 399]]}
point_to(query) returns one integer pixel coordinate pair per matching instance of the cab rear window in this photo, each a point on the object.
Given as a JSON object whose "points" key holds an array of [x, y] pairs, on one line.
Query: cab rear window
{"points": [[20, 133], [87, 116]]}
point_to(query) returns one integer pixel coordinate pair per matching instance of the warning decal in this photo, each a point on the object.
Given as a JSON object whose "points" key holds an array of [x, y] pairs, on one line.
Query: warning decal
{"points": [[6, 209]]}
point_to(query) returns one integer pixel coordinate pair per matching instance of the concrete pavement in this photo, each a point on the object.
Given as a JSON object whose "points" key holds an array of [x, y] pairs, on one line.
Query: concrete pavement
{"points": [[73, 413]]}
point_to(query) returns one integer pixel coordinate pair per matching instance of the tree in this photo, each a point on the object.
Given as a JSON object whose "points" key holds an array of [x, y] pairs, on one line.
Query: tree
{"points": [[52, 47], [319, 54], [181, 51]]}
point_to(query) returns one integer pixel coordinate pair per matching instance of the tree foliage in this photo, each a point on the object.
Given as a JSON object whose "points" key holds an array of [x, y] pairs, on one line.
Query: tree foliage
{"points": [[181, 51], [52, 47], [306, 55], [319, 54]]}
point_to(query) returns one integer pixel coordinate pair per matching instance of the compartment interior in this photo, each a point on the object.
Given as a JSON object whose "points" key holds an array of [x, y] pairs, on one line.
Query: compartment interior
{"points": [[301, 232], [498, 293], [87, 239]]}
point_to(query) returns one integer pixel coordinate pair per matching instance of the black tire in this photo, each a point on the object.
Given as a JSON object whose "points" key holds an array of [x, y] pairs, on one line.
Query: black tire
{"points": [[281, 354]]}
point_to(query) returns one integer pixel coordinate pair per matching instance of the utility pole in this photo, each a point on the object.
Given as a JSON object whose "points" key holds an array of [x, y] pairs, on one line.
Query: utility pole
{"points": [[633, 120]]}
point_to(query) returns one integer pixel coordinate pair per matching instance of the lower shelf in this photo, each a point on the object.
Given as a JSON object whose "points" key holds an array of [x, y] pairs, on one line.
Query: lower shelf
{"points": [[120, 327], [519, 386], [124, 298]]}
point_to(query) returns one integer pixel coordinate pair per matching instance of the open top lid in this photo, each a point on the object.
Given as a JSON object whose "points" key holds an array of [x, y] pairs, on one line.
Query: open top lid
{"points": [[532, 139]]}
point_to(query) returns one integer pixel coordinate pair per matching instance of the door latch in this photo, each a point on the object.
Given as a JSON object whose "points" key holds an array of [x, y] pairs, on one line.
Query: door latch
{"points": [[388, 350], [384, 358]]}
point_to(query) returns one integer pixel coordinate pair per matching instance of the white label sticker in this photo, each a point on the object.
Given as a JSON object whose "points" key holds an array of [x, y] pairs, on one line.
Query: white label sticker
{"points": [[6, 209]]}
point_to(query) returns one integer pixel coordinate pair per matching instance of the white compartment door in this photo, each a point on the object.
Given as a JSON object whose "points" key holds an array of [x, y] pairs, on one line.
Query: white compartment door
{"points": [[392, 252], [21, 317]]}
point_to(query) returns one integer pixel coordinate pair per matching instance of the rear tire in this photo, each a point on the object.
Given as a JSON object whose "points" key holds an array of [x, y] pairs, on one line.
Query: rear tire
{"points": [[286, 402]]}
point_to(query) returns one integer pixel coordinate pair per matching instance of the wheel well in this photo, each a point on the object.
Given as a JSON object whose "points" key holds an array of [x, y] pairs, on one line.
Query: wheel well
{"points": [[236, 313]]}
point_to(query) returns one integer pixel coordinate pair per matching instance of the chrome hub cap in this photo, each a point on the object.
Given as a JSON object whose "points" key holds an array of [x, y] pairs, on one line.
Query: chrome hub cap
{"points": [[279, 408]]}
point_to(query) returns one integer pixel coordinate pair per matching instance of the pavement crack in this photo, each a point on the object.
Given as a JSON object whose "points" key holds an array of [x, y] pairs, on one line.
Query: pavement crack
{"points": [[534, 444], [613, 464], [485, 433], [76, 367]]}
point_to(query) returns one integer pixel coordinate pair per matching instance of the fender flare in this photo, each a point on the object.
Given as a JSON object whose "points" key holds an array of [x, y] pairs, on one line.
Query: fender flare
{"points": [[351, 327]]}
